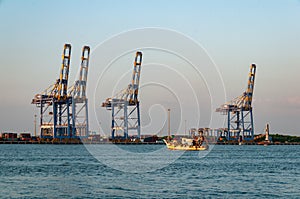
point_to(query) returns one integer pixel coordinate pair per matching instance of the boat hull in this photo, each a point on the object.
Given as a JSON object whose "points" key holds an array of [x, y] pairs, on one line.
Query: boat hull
{"points": [[171, 146]]}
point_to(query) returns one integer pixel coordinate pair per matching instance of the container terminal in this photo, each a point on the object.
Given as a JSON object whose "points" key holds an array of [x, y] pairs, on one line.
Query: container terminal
{"points": [[63, 113], [27, 138]]}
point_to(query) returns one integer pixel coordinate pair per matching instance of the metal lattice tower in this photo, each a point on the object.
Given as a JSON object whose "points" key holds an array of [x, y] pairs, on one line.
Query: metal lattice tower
{"points": [[124, 106], [80, 119], [54, 103], [239, 112]]}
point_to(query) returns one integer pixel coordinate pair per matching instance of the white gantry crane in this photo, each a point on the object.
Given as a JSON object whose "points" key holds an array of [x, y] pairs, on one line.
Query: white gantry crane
{"points": [[80, 117]]}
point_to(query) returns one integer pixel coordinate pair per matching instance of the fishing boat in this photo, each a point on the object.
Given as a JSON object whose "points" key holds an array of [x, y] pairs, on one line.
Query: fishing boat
{"points": [[186, 144]]}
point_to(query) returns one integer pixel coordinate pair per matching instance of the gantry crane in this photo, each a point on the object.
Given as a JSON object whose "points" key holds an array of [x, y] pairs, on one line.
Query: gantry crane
{"points": [[239, 112], [80, 121], [64, 112], [57, 122], [124, 106]]}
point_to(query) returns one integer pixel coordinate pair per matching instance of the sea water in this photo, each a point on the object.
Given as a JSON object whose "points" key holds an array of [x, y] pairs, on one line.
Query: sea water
{"points": [[71, 171]]}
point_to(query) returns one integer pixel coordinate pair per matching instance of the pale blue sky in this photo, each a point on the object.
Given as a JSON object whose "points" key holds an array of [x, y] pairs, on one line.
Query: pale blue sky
{"points": [[234, 33]]}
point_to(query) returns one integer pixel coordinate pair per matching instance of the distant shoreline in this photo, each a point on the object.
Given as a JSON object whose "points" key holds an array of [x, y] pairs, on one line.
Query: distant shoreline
{"points": [[131, 143]]}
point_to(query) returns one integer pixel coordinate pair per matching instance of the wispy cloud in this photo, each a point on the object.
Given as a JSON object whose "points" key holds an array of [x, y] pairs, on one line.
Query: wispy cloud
{"points": [[295, 101], [282, 104]]}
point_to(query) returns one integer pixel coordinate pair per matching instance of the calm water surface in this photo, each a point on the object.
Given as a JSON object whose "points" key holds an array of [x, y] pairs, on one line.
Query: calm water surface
{"points": [[69, 171]]}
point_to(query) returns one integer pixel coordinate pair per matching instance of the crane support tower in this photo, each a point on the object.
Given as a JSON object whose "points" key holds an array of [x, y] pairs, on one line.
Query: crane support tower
{"points": [[124, 106], [239, 113], [80, 119], [59, 115]]}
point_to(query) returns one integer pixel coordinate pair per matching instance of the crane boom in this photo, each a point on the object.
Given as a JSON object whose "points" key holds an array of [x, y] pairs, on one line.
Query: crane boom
{"points": [[249, 92], [243, 101], [79, 89], [129, 94], [134, 86], [64, 73]]}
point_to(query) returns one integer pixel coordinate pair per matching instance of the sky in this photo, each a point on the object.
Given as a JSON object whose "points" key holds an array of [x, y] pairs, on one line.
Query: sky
{"points": [[234, 34]]}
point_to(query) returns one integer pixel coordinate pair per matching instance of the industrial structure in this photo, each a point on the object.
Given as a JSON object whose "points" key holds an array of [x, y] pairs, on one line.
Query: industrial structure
{"points": [[124, 107], [239, 113], [59, 116], [267, 133], [80, 117]]}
